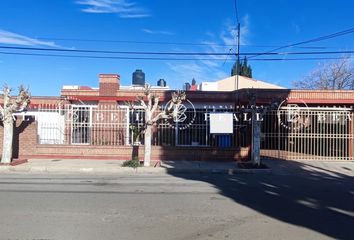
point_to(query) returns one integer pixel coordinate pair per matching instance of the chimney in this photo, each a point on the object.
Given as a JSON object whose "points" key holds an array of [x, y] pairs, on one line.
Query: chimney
{"points": [[109, 84]]}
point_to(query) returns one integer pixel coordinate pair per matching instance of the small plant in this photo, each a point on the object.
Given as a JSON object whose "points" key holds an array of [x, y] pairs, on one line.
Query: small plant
{"points": [[133, 163]]}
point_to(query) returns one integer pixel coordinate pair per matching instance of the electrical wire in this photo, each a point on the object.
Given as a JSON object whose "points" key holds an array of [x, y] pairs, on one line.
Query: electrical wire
{"points": [[171, 43], [110, 52], [106, 57], [333, 35], [163, 58], [175, 53], [133, 42], [299, 59]]}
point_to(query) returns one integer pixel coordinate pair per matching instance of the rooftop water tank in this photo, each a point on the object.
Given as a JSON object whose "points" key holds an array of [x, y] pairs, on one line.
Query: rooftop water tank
{"points": [[161, 83], [139, 77]]}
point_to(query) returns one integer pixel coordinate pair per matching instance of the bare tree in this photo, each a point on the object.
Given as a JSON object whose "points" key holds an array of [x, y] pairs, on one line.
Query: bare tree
{"points": [[337, 75], [11, 105], [150, 104]]}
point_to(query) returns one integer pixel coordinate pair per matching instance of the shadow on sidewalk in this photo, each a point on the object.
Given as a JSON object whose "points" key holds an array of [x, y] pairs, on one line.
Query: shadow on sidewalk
{"points": [[317, 199]]}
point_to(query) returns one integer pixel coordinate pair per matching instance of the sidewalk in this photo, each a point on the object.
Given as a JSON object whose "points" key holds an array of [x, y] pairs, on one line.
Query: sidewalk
{"points": [[278, 167], [114, 166]]}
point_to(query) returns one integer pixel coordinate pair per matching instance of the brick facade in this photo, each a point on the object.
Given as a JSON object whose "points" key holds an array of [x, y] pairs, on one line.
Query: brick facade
{"points": [[109, 84]]}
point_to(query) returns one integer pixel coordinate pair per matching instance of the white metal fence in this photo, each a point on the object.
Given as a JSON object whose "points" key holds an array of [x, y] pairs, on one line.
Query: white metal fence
{"points": [[83, 125], [118, 126], [308, 133]]}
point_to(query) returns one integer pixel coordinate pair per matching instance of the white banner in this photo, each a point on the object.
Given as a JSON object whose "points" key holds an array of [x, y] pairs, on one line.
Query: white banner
{"points": [[221, 123]]}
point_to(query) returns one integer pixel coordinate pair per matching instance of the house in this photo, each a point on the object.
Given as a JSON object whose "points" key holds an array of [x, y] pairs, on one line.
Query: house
{"points": [[100, 123]]}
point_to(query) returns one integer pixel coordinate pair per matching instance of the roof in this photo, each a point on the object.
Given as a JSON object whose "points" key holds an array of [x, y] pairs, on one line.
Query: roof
{"points": [[230, 84]]}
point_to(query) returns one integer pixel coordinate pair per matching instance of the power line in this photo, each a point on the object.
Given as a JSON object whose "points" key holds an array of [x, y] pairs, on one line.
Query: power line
{"points": [[226, 58], [170, 43], [106, 57], [299, 59], [110, 52], [303, 53], [132, 41], [174, 53], [162, 58], [333, 35]]}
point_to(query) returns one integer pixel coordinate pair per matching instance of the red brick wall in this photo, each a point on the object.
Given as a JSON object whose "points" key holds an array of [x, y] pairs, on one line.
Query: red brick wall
{"points": [[25, 137], [109, 84], [125, 153]]}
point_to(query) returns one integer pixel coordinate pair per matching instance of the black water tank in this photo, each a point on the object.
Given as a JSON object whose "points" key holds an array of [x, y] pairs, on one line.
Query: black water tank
{"points": [[139, 77], [161, 83]]}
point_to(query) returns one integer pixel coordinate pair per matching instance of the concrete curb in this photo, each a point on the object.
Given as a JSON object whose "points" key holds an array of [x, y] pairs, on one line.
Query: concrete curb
{"points": [[111, 167], [4, 168], [127, 170], [251, 171]]}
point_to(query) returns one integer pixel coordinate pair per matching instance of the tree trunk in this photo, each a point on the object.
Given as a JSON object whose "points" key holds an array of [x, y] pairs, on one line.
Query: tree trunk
{"points": [[8, 139], [147, 146]]}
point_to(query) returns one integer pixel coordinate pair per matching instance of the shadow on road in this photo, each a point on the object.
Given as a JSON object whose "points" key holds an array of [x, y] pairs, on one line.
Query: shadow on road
{"points": [[310, 197]]}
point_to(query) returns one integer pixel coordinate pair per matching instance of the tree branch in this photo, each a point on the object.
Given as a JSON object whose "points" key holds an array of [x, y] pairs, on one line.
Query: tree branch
{"points": [[333, 75], [161, 115], [141, 101], [156, 104]]}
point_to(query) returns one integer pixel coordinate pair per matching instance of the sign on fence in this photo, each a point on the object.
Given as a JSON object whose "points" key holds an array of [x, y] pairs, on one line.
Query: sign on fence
{"points": [[221, 123]]}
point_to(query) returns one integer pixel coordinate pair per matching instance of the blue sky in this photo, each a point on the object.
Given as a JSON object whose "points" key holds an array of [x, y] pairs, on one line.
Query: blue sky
{"points": [[197, 25]]}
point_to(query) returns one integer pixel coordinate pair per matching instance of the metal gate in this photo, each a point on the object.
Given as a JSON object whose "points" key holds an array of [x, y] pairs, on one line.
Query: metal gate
{"points": [[81, 124], [309, 133]]}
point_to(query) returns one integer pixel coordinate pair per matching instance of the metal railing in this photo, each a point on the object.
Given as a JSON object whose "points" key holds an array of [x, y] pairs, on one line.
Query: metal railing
{"points": [[117, 126], [83, 125], [308, 134], [195, 131]]}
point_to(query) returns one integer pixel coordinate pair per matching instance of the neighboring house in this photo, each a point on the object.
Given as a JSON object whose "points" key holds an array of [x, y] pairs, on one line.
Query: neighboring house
{"points": [[230, 84]]}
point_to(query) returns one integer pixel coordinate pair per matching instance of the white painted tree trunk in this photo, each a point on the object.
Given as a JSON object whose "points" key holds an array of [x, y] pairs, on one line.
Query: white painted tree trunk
{"points": [[147, 146], [150, 108], [7, 142], [11, 106]]}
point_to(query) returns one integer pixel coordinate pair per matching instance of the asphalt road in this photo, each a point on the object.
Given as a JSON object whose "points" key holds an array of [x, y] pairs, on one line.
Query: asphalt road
{"points": [[185, 206]]}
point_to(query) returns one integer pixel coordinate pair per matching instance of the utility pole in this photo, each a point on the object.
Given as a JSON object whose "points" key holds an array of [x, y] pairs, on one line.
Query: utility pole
{"points": [[238, 55], [237, 39]]}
